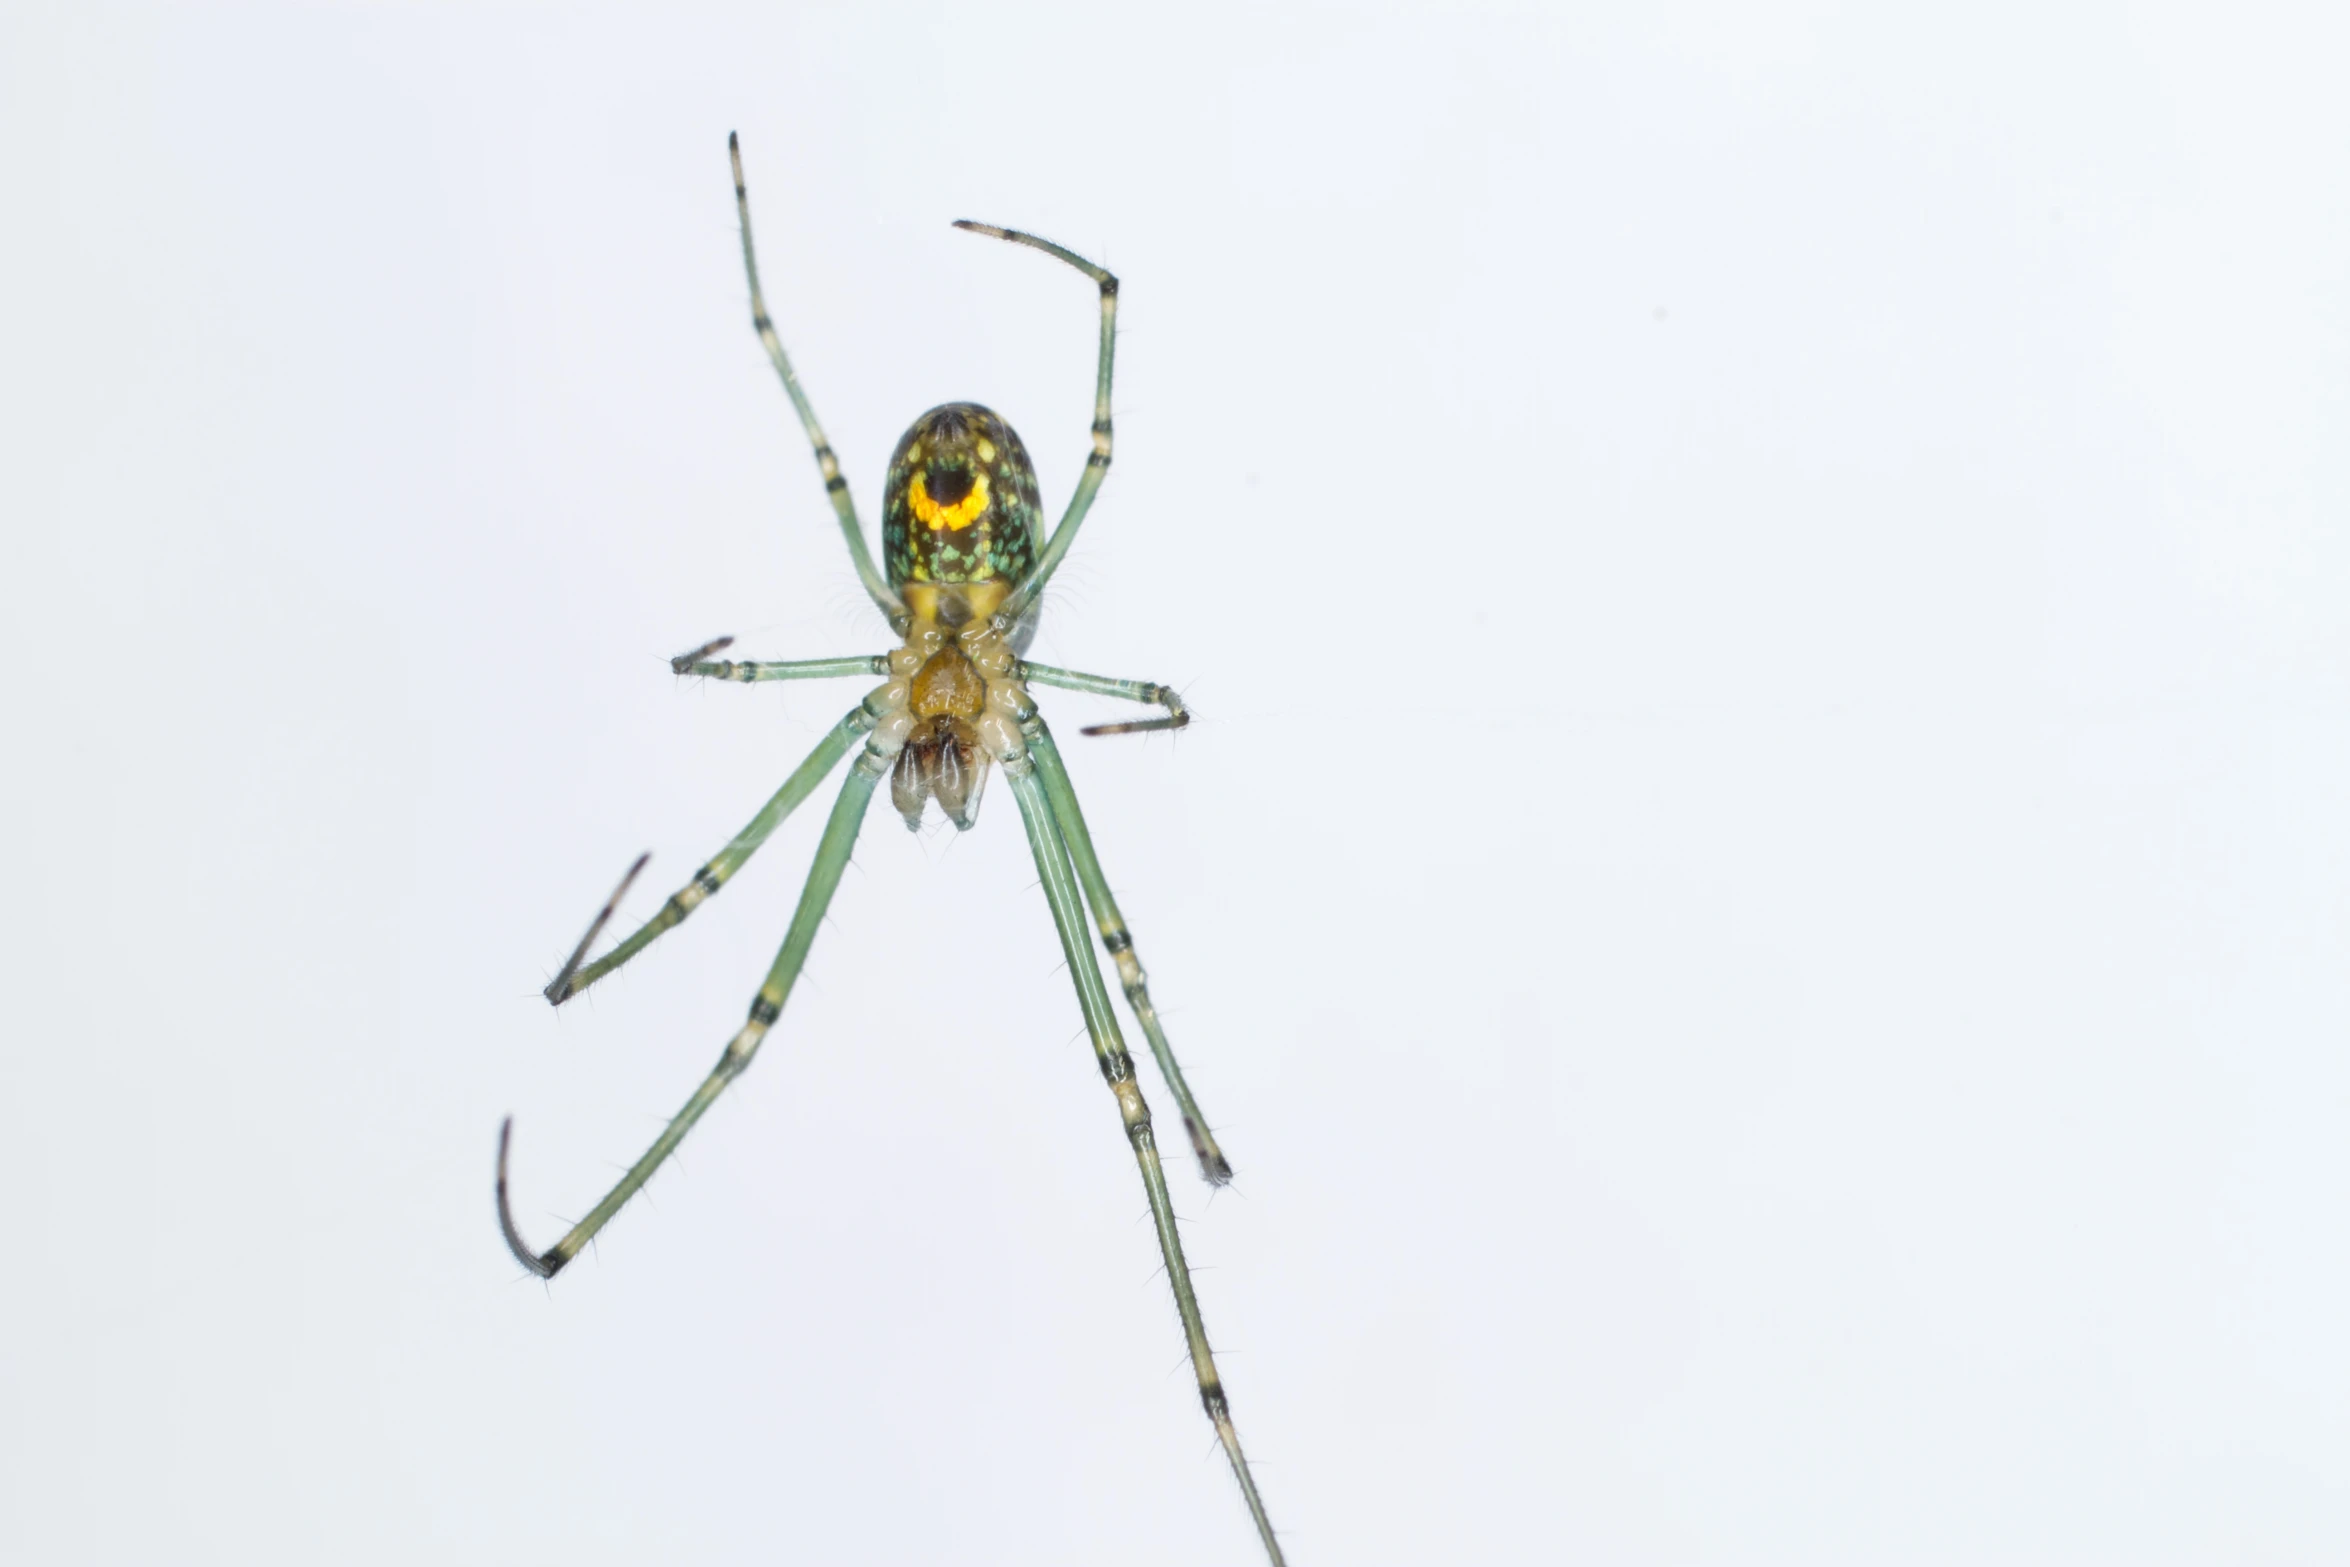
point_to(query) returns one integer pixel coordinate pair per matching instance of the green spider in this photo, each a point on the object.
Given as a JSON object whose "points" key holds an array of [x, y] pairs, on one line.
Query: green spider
{"points": [[963, 540]]}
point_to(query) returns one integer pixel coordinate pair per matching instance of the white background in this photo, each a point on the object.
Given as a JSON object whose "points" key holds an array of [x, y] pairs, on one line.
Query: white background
{"points": [[1759, 894]]}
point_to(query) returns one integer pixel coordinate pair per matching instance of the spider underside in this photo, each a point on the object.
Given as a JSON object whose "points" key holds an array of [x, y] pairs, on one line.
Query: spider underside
{"points": [[966, 559]]}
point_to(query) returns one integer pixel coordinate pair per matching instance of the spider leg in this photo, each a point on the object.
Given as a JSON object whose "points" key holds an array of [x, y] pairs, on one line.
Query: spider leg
{"points": [[1119, 944], [713, 875], [832, 857], [1097, 462], [835, 487], [748, 671], [596, 925], [1143, 691], [1060, 891], [685, 661]]}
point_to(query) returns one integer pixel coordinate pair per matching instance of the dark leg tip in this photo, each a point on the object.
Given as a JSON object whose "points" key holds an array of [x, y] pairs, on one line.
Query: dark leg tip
{"points": [[544, 1266], [684, 662], [1214, 1168]]}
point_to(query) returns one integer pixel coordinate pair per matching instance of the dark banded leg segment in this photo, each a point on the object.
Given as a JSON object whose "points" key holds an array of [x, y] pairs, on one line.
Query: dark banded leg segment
{"points": [[1119, 944], [1097, 461], [836, 488], [832, 857], [1143, 691], [722, 865], [749, 672], [1060, 891]]}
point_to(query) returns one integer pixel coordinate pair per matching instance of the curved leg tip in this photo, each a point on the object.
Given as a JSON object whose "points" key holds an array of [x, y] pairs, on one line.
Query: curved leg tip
{"points": [[544, 1266]]}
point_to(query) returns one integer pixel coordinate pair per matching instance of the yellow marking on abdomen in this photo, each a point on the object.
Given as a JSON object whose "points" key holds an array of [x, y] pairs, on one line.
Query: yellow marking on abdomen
{"points": [[955, 518]]}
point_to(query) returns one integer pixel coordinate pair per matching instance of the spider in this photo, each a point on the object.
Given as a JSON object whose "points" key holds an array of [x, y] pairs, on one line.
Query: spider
{"points": [[962, 540]]}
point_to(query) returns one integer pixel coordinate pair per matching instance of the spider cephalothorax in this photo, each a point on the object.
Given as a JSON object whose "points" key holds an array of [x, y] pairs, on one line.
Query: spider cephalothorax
{"points": [[958, 700]]}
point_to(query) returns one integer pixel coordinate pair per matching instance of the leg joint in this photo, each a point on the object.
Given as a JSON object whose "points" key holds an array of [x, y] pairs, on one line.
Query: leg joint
{"points": [[1133, 1110], [745, 1043]]}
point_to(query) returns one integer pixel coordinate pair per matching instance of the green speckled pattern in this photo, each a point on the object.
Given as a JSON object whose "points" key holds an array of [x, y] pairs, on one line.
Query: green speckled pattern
{"points": [[1001, 542]]}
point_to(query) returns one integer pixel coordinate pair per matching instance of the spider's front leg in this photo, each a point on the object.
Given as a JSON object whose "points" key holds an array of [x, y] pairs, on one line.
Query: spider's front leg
{"points": [[1052, 854], [1118, 942], [578, 974], [832, 858]]}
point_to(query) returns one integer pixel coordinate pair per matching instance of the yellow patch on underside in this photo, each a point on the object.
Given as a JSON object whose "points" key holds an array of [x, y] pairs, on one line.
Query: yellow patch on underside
{"points": [[955, 518]]}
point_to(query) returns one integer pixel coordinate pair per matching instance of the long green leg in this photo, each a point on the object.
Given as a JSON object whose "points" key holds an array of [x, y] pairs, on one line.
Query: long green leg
{"points": [[832, 857], [1119, 943], [722, 865], [835, 487], [1060, 891], [1143, 691], [1097, 462]]}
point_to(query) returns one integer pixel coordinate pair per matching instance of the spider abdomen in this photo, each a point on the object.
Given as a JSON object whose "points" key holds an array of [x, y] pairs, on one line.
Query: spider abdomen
{"points": [[960, 503]]}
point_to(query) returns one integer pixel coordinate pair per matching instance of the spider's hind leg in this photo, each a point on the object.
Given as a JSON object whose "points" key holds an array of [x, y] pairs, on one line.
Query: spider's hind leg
{"points": [[1020, 606], [836, 488]]}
